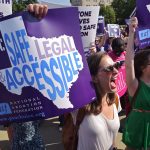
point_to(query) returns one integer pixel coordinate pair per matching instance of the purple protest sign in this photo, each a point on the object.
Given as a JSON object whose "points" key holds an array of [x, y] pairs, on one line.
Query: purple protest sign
{"points": [[47, 69], [100, 26], [143, 15]]}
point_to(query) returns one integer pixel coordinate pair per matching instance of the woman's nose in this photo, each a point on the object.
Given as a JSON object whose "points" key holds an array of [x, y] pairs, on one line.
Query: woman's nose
{"points": [[115, 71]]}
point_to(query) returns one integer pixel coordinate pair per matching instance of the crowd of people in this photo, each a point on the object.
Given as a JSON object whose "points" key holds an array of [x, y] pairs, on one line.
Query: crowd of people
{"points": [[100, 124]]}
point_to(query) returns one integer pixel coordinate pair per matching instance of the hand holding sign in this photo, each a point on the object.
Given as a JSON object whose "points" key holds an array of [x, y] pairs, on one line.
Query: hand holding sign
{"points": [[38, 10], [133, 24]]}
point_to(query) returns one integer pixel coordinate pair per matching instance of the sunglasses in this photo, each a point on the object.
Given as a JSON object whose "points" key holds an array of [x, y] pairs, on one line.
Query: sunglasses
{"points": [[110, 68]]}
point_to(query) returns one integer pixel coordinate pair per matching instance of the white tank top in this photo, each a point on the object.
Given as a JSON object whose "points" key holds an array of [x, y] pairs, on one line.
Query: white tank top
{"points": [[98, 132]]}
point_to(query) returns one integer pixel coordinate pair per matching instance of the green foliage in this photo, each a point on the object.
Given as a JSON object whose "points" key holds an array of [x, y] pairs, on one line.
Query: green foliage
{"points": [[131, 4], [20, 5], [123, 9], [108, 13]]}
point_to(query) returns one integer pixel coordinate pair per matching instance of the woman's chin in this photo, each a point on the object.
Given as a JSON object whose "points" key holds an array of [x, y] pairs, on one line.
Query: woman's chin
{"points": [[113, 90]]}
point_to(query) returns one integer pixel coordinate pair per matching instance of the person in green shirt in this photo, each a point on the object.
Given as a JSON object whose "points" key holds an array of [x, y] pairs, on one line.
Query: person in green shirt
{"points": [[136, 134]]}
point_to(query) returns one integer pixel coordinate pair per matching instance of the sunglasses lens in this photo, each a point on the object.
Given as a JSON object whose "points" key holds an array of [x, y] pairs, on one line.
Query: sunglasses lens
{"points": [[117, 65], [110, 69]]}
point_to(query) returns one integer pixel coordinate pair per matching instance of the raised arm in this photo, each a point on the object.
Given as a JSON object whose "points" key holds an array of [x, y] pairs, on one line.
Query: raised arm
{"points": [[132, 82]]}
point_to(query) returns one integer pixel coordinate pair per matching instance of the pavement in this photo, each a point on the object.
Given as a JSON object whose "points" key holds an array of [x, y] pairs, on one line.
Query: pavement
{"points": [[52, 136]]}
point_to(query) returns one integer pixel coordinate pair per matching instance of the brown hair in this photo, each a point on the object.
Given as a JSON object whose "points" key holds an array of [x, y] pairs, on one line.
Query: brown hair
{"points": [[141, 60], [95, 106]]}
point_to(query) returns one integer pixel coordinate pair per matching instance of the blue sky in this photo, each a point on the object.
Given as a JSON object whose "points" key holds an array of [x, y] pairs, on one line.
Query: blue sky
{"points": [[64, 2]]}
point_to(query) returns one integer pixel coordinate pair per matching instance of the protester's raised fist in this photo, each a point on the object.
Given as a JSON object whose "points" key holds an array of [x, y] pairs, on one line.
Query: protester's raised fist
{"points": [[133, 24], [38, 10]]}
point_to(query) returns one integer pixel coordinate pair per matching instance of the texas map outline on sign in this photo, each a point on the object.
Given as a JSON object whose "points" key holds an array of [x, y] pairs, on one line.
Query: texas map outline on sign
{"points": [[39, 67]]}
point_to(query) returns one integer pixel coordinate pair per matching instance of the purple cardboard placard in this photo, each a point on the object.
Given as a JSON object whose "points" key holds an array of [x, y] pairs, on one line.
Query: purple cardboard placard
{"points": [[100, 26], [46, 73], [143, 15]]}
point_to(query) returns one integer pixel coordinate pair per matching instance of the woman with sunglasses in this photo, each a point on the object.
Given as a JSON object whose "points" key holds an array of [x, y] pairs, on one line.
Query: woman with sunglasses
{"points": [[100, 125], [137, 129]]}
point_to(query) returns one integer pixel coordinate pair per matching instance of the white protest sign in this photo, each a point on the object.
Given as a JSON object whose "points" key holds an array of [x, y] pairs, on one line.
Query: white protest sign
{"points": [[113, 30], [88, 16], [5, 8]]}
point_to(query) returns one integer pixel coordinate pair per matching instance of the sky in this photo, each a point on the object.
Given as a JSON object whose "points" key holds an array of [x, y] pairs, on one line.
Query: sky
{"points": [[62, 2]]}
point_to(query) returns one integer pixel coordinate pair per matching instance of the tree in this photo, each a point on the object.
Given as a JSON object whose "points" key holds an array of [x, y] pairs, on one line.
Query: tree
{"points": [[108, 13], [20, 5], [123, 9], [131, 4], [17, 6], [27, 2]]}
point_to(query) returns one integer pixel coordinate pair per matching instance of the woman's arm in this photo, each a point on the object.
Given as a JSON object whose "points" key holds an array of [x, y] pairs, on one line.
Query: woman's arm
{"points": [[132, 82]]}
